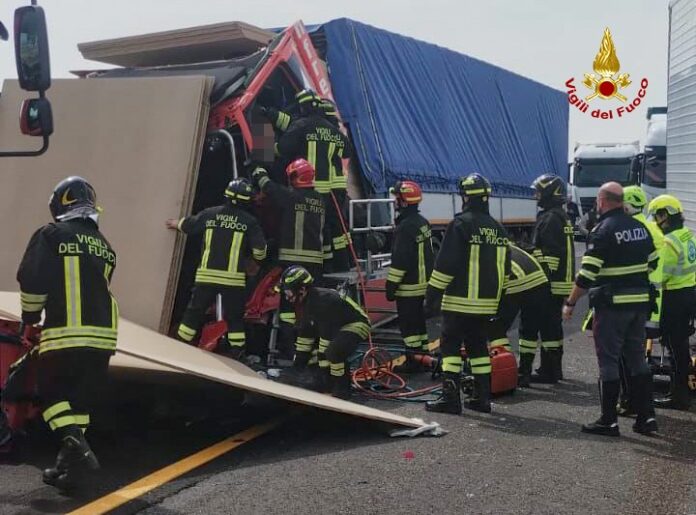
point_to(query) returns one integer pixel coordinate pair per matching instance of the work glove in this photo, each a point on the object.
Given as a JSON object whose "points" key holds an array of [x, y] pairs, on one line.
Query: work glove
{"points": [[433, 303], [390, 292], [257, 175], [25, 334]]}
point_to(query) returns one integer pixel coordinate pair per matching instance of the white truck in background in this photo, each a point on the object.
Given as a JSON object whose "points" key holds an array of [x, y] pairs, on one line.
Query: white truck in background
{"points": [[681, 107], [653, 162], [596, 163]]}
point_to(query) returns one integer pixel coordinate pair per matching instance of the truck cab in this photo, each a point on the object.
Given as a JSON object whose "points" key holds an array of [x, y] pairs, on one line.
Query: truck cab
{"points": [[597, 163], [653, 163]]}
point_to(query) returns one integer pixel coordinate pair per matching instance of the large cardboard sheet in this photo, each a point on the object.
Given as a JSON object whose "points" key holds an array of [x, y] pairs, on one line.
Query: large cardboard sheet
{"points": [[190, 45], [138, 141], [138, 342]]}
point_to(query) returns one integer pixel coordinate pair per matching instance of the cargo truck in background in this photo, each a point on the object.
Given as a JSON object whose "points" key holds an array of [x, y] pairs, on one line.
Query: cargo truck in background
{"points": [[653, 160], [596, 163], [681, 107]]}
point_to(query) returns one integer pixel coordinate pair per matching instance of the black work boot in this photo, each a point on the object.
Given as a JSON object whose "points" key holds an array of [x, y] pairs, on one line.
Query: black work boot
{"points": [[75, 459], [481, 398], [525, 370], [449, 400], [323, 379], [547, 372], [559, 364], [679, 396], [641, 392], [607, 424], [340, 386], [625, 408]]}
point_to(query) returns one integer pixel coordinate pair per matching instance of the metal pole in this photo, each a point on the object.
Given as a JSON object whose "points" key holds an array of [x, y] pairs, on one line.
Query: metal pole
{"points": [[233, 151]]}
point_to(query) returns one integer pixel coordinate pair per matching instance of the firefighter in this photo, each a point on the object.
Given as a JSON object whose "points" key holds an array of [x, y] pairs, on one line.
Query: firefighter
{"points": [[281, 119], [66, 273], [312, 137], [555, 251], [635, 201], [527, 292], [334, 318], [301, 213], [470, 270], [678, 257], [231, 236], [615, 271], [411, 264]]}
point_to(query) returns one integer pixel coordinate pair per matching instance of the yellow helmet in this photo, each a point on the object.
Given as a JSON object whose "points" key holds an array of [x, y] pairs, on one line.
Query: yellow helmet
{"points": [[635, 196], [667, 202]]}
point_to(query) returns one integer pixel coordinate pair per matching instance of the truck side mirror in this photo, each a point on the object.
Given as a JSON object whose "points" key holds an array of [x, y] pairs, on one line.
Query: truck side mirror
{"points": [[31, 49], [636, 168], [36, 117]]}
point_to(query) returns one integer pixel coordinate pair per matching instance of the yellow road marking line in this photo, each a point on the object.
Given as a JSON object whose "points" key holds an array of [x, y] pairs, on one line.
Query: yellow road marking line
{"points": [[171, 472]]}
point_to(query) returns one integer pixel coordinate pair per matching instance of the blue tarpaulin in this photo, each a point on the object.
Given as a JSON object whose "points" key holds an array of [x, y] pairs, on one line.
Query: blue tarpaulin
{"points": [[423, 112]]}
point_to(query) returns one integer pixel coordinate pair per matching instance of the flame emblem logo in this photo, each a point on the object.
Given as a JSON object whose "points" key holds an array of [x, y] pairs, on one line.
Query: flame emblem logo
{"points": [[604, 83]]}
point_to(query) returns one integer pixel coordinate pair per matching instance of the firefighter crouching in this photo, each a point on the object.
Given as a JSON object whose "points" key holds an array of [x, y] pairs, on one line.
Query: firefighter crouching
{"points": [[526, 292], [301, 214], [635, 201], [314, 138], [678, 260], [411, 264], [231, 236], [470, 271], [555, 250], [615, 271], [66, 272], [335, 319]]}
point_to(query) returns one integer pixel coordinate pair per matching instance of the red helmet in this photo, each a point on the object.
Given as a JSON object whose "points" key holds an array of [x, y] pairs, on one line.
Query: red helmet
{"points": [[300, 174], [407, 193]]}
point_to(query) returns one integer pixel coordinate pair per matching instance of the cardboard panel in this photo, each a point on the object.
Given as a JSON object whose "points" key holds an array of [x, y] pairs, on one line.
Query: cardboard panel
{"points": [[151, 347], [138, 141], [182, 46]]}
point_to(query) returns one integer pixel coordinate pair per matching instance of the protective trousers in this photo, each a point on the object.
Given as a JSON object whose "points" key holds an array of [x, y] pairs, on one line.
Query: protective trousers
{"points": [[620, 334], [69, 381], [553, 339], [472, 331], [533, 322], [677, 310], [412, 323], [202, 298], [335, 246]]}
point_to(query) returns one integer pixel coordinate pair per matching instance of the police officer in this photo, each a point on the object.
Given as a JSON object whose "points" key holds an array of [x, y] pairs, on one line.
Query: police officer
{"points": [[411, 265], [335, 319], [635, 201], [678, 259], [314, 138], [470, 270], [231, 236], [615, 271], [526, 292], [301, 212], [555, 250], [66, 272]]}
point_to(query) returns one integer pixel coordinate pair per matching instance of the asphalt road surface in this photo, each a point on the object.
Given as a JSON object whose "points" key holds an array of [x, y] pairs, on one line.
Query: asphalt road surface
{"points": [[528, 456]]}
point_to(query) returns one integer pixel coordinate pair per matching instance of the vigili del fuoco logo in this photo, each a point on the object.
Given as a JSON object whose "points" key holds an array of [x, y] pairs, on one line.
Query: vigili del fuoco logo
{"points": [[606, 83]]}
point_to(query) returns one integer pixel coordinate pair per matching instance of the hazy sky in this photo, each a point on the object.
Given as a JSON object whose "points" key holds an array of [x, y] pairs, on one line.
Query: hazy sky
{"points": [[546, 40]]}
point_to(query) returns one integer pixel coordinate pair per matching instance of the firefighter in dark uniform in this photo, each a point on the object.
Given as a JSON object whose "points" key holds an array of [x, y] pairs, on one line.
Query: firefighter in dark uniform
{"points": [[312, 137], [678, 263], [66, 272], [301, 213], [412, 258], [335, 319], [526, 292], [470, 271], [555, 251], [231, 236], [615, 270]]}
